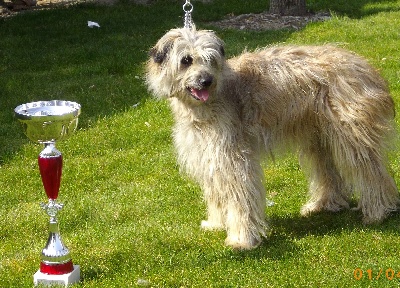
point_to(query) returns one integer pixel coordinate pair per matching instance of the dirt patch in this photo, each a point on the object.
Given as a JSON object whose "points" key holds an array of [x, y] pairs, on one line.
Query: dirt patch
{"points": [[267, 21], [10, 8]]}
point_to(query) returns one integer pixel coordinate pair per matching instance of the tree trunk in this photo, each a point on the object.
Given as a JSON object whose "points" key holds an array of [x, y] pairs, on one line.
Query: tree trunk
{"points": [[288, 7]]}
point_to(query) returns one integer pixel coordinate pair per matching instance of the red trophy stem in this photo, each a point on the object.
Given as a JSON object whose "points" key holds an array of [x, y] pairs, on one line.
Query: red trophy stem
{"points": [[50, 169]]}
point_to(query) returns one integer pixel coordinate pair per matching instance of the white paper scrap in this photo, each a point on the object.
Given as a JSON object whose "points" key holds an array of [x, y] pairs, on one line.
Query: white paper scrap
{"points": [[91, 24]]}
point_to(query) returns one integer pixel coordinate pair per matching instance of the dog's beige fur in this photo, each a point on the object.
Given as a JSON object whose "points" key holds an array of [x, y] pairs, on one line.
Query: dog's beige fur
{"points": [[326, 102]]}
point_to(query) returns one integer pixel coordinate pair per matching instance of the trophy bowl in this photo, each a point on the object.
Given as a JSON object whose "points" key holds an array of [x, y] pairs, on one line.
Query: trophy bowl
{"points": [[48, 121]]}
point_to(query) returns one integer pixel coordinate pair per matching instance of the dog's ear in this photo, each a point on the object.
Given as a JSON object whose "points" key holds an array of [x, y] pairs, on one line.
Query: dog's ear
{"points": [[222, 50], [160, 55]]}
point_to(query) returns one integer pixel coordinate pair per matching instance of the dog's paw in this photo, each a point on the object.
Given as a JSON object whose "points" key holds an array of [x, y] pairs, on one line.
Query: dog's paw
{"points": [[316, 207], [333, 204], [374, 219], [238, 244], [208, 225], [310, 208]]}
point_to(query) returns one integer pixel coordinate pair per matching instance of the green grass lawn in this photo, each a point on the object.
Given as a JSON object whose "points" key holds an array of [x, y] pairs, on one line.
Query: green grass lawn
{"points": [[130, 218]]}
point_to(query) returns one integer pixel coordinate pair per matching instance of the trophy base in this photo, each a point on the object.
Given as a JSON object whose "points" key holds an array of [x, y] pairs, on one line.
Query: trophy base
{"points": [[64, 279]]}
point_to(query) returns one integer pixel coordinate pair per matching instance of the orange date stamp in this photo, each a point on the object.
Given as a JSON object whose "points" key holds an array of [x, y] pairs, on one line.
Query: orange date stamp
{"points": [[389, 274]]}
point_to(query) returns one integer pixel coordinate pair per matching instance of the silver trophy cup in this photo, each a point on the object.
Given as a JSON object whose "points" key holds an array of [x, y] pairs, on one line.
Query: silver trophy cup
{"points": [[46, 122]]}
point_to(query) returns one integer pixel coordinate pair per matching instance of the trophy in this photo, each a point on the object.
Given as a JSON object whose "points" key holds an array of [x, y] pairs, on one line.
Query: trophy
{"points": [[47, 122]]}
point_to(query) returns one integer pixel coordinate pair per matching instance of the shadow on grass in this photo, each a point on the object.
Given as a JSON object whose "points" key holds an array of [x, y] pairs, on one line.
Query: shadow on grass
{"points": [[287, 230], [325, 223]]}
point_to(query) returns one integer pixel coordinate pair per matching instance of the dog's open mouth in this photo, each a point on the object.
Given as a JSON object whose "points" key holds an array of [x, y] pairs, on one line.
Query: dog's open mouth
{"points": [[199, 94]]}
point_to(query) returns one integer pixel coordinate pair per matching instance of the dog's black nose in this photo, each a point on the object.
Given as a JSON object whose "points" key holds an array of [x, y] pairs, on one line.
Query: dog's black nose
{"points": [[206, 81]]}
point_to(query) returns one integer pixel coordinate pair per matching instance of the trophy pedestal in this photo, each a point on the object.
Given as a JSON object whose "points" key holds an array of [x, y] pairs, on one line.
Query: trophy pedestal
{"points": [[64, 279]]}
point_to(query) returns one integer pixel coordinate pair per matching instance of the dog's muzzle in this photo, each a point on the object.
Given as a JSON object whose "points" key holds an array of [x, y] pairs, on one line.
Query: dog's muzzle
{"points": [[201, 94]]}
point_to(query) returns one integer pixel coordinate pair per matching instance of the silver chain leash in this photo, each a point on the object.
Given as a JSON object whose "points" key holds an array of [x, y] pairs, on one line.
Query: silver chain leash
{"points": [[188, 8]]}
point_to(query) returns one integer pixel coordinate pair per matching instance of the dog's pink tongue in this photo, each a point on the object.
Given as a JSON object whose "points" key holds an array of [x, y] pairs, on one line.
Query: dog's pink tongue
{"points": [[202, 94]]}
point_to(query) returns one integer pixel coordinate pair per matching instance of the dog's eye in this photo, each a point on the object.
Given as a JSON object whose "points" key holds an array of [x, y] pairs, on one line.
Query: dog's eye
{"points": [[213, 61], [187, 60]]}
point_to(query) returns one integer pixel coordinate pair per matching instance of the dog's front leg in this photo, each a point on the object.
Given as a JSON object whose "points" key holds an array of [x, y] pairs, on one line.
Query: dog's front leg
{"points": [[235, 199], [242, 228], [242, 231], [245, 205]]}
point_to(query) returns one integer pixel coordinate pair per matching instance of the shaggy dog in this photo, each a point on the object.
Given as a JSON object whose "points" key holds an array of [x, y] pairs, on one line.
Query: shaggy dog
{"points": [[326, 102]]}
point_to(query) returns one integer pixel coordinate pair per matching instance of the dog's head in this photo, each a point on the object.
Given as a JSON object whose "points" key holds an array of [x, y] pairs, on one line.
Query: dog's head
{"points": [[185, 63]]}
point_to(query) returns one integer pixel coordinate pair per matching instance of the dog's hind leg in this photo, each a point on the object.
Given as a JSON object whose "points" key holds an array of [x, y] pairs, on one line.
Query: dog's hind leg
{"points": [[327, 189], [378, 192]]}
